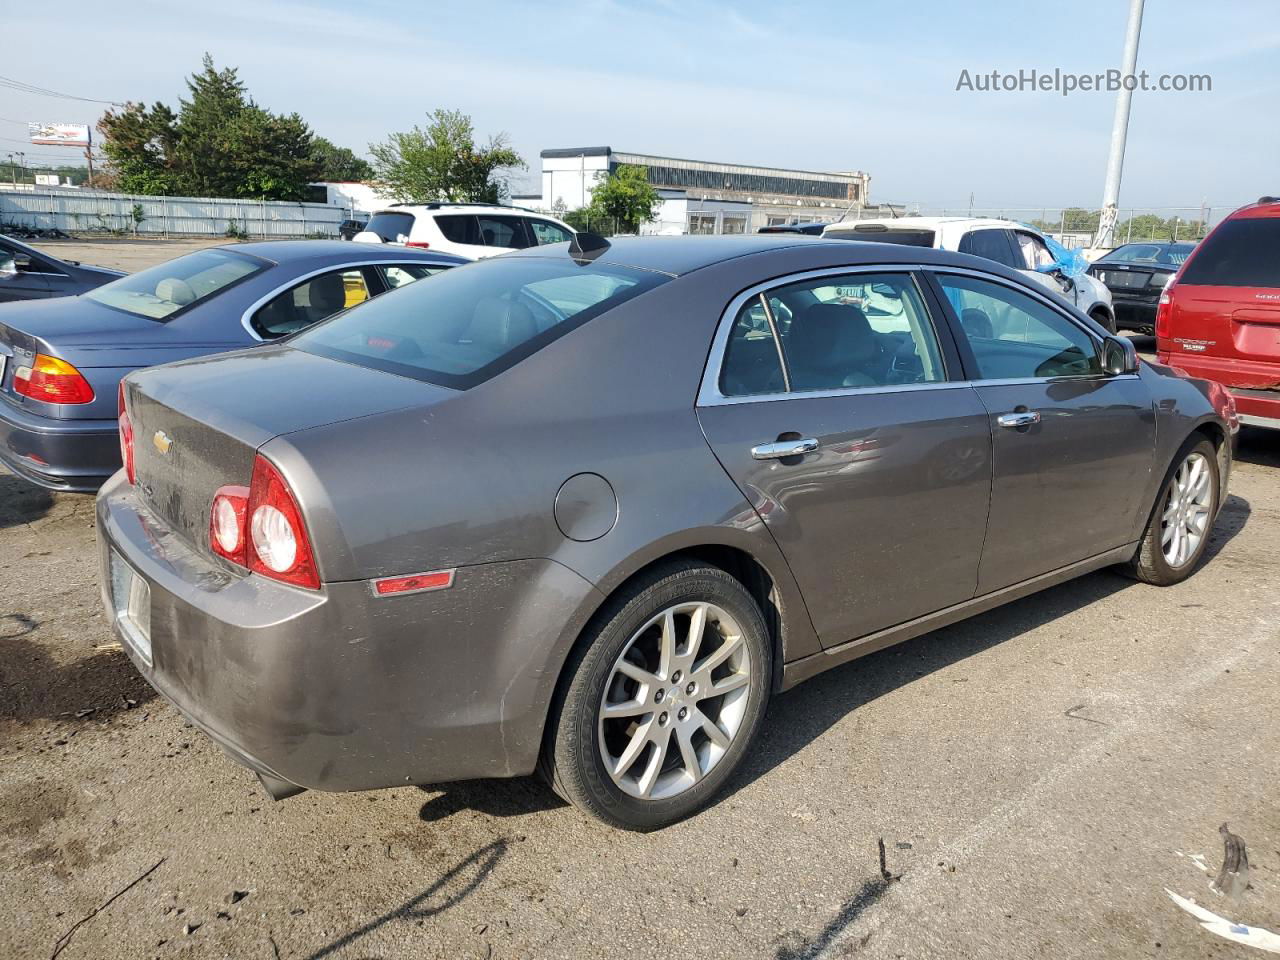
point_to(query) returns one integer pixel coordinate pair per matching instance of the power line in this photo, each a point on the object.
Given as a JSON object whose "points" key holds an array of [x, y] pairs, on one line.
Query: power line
{"points": [[23, 87]]}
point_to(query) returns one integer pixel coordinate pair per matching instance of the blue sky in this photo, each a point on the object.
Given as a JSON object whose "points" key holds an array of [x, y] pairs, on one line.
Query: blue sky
{"points": [[820, 85]]}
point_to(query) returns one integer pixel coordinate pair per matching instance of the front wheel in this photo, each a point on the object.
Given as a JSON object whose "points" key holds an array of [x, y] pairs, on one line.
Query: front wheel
{"points": [[664, 699], [1178, 532], [1101, 317]]}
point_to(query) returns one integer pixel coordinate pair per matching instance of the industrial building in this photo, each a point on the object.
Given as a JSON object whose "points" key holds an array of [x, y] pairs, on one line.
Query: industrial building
{"points": [[699, 196]]}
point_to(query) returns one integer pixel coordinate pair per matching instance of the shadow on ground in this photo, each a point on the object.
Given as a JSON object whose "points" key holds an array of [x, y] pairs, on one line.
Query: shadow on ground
{"points": [[497, 798], [1259, 446], [21, 502], [34, 687]]}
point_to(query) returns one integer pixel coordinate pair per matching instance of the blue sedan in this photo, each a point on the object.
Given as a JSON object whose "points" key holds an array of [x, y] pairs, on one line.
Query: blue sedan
{"points": [[61, 360]]}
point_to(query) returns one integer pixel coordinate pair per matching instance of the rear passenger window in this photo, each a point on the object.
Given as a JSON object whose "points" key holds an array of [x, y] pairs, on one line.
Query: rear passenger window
{"points": [[503, 232], [1014, 336], [991, 245], [860, 330], [1240, 253], [459, 228], [403, 274], [309, 303]]}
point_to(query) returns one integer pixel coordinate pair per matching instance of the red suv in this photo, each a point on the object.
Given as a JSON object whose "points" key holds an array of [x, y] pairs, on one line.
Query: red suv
{"points": [[1220, 316]]}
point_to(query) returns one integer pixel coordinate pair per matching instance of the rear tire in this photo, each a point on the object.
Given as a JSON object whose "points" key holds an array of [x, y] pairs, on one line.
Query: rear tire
{"points": [[652, 720], [1177, 533], [1108, 322]]}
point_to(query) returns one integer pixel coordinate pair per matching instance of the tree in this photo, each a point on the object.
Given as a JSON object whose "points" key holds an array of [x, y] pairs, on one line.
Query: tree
{"points": [[219, 143], [626, 196], [338, 163], [443, 163]]}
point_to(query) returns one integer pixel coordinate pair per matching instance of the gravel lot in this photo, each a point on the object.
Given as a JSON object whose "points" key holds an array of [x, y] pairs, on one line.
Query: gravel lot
{"points": [[1039, 776]]}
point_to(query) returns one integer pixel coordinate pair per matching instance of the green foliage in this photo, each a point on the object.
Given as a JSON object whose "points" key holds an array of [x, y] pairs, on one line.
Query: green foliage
{"points": [[627, 197], [235, 231], [443, 163], [338, 163], [219, 143], [585, 219]]}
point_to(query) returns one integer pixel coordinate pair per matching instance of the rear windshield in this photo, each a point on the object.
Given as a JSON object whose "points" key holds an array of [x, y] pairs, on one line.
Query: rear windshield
{"points": [[391, 227], [471, 323], [162, 291], [1163, 254], [1240, 253], [910, 238]]}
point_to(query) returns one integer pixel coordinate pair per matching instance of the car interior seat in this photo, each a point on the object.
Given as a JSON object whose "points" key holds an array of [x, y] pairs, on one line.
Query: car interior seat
{"points": [[500, 325], [832, 345]]}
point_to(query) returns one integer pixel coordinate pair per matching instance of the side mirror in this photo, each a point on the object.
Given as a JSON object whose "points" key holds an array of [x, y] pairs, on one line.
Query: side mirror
{"points": [[1065, 282], [21, 261], [1119, 356]]}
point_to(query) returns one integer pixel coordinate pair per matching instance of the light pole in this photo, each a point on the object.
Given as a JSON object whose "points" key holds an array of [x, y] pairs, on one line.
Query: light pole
{"points": [[1120, 129]]}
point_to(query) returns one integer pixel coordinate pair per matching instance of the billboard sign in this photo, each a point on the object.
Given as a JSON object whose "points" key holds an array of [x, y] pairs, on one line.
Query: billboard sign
{"points": [[60, 134]]}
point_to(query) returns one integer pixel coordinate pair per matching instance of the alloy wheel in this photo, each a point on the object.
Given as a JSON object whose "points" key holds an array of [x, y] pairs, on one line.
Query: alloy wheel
{"points": [[675, 700], [1186, 510]]}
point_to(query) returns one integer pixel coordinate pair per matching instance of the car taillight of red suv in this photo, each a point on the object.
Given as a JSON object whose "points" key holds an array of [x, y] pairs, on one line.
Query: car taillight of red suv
{"points": [[1220, 317]]}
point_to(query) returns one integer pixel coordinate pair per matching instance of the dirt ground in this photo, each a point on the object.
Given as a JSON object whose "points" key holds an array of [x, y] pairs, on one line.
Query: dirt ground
{"points": [[130, 255]]}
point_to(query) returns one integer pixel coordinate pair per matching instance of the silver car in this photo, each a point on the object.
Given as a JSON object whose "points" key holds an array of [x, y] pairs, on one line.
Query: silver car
{"points": [[584, 509]]}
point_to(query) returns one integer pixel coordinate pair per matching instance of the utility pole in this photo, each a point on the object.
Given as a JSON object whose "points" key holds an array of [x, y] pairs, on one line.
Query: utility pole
{"points": [[1120, 129], [13, 169], [88, 155]]}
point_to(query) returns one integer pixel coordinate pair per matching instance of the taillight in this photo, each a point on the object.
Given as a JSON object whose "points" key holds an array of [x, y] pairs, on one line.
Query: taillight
{"points": [[226, 523], [1164, 313], [53, 381], [260, 527], [417, 243], [126, 438]]}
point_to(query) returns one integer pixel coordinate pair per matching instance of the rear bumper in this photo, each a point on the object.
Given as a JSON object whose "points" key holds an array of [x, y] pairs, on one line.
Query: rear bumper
{"points": [[336, 689], [1140, 313], [1256, 407], [70, 455]]}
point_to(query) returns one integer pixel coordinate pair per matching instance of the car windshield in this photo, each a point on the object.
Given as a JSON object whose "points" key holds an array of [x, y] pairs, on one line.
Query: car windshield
{"points": [[471, 323], [162, 291], [1164, 254]]}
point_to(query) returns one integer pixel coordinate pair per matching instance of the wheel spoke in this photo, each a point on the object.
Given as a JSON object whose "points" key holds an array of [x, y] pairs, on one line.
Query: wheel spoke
{"points": [[717, 656], [1169, 531], [726, 684], [718, 736], [657, 756], [697, 627], [633, 748], [627, 708], [638, 674], [689, 755], [667, 644]]}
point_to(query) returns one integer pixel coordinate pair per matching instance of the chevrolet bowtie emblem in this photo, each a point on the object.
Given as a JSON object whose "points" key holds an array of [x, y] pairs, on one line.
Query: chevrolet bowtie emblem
{"points": [[162, 442]]}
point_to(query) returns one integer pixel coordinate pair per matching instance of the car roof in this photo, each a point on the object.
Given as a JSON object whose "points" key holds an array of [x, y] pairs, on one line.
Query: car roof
{"points": [[678, 255], [335, 251], [416, 208]]}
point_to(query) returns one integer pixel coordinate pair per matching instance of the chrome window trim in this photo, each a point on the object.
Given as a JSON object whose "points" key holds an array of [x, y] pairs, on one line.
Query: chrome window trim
{"points": [[303, 278], [709, 394]]}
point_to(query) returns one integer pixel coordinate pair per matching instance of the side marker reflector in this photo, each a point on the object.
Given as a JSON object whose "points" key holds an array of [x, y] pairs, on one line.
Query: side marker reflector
{"points": [[413, 583]]}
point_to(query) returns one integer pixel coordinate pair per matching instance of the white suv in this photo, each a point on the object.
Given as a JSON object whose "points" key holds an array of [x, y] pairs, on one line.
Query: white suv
{"points": [[472, 230], [1003, 241]]}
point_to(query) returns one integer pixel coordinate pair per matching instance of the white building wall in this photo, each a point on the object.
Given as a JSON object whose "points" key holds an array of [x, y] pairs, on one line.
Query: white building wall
{"points": [[570, 180], [362, 198]]}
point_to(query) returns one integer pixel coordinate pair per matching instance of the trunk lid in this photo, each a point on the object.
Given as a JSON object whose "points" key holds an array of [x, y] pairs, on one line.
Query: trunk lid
{"points": [[198, 424]]}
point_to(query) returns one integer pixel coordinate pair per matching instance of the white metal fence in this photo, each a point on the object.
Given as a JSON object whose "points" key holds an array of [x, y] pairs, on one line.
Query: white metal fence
{"points": [[89, 211]]}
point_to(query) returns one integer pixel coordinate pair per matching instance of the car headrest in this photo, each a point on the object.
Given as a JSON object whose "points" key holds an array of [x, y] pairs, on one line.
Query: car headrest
{"points": [[175, 291], [501, 324], [976, 323], [328, 293], [830, 334]]}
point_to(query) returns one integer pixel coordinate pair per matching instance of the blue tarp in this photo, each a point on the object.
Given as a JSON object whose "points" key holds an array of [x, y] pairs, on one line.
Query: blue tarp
{"points": [[1070, 262]]}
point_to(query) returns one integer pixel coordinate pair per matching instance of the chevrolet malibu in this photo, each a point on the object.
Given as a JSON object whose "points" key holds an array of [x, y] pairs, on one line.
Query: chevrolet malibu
{"points": [[583, 509]]}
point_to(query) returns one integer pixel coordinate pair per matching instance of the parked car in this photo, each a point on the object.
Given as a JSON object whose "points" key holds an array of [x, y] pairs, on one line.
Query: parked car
{"points": [[584, 509], [348, 229], [1011, 244], [471, 230], [1220, 317], [30, 274], [1136, 274], [809, 229], [61, 362]]}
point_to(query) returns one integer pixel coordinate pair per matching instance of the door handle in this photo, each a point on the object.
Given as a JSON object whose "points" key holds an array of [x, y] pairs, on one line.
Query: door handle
{"points": [[784, 448], [1023, 418]]}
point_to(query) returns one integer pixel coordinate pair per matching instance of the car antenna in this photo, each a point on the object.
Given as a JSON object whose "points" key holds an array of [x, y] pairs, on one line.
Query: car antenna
{"points": [[587, 246]]}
